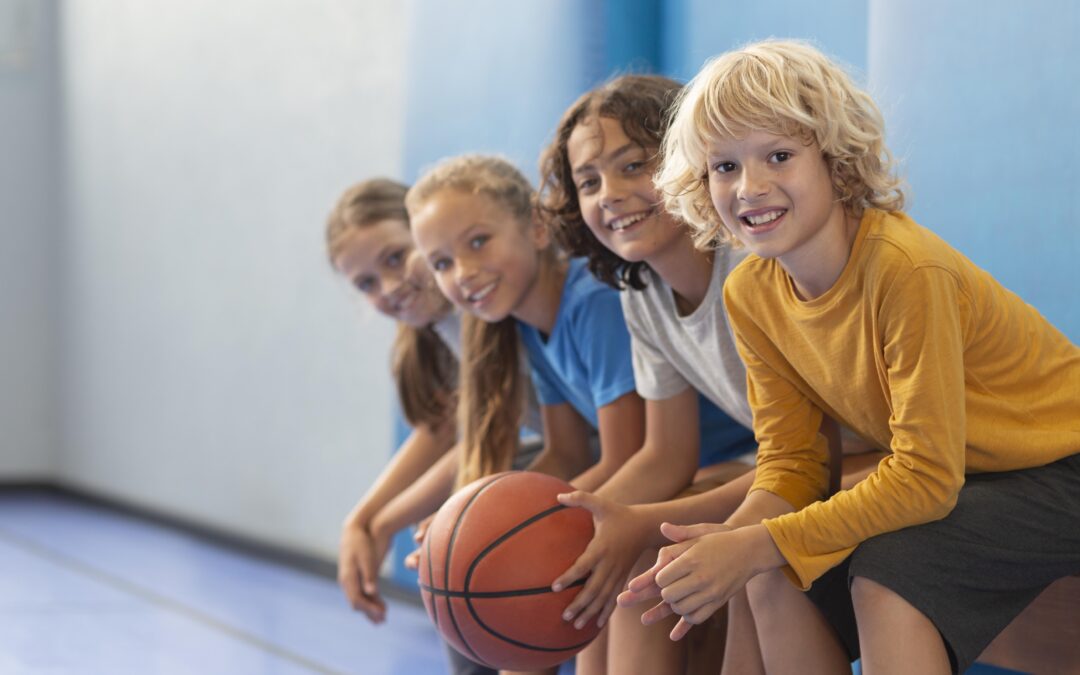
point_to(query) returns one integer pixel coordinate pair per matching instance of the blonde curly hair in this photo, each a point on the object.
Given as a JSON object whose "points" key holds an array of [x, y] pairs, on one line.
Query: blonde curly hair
{"points": [[784, 87]]}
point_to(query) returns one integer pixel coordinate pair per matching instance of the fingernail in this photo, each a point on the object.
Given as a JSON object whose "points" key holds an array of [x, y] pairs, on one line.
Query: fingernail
{"points": [[579, 624], [556, 587], [567, 616]]}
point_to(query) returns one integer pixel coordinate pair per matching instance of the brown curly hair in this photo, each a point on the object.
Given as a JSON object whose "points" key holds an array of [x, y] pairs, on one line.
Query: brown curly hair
{"points": [[640, 103]]}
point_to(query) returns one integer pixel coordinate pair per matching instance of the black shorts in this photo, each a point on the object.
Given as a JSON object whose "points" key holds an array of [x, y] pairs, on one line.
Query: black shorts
{"points": [[1010, 536]]}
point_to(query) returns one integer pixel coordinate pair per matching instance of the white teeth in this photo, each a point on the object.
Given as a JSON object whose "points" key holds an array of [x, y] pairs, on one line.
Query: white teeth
{"points": [[764, 218], [623, 223], [482, 293]]}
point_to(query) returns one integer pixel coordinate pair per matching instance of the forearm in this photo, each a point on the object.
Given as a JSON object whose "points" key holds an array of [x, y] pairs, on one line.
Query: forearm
{"points": [[555, 464], [420, 499], [714, 506], [596, 475], [649, 476], [422, 449], [758, 506]]}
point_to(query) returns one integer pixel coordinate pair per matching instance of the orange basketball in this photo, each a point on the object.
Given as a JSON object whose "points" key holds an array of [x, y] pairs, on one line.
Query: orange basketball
{"points": [[486, 568]]}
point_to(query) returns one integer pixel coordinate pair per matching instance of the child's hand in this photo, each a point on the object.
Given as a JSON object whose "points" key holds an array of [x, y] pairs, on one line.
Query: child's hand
{"points": [[643, 587], [359, 557], [696, 575], [412, 561], [616, 545]]}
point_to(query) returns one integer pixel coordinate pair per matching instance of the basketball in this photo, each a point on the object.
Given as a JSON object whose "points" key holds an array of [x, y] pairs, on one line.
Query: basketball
{"points": [[486, 568]]}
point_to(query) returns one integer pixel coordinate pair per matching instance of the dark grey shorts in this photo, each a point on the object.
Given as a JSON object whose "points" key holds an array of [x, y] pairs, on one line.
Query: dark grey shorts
{"points": [[1010, 536]]}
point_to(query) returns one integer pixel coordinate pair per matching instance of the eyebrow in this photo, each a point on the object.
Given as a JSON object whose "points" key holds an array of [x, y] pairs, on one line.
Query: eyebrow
{"points": [[469, 231], [622, 150]]}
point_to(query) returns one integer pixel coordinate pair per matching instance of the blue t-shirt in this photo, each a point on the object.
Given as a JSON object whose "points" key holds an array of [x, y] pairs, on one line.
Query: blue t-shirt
{"points": [[586, 360], [722, 438]]}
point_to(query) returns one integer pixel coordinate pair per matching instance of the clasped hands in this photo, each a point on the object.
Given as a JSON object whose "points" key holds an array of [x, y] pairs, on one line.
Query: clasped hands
{"points": [[693, 577]]}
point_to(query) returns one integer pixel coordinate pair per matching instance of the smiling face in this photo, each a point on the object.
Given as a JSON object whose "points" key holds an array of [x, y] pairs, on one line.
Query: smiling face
{"points": [[483, 259], [775, 195], [382, 263], [613, 179]]}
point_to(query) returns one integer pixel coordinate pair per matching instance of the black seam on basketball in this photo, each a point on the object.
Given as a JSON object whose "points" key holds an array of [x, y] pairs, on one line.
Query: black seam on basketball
{"points": [[446, 576], [494, 594], [431, 576], [470, 596]]}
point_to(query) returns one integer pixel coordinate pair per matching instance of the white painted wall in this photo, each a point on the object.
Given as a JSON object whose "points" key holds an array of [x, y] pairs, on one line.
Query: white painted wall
{"points": [[214, 367], [30, 199]]}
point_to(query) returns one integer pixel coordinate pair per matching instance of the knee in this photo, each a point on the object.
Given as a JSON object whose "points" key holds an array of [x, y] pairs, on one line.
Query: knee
{"points": [[766, 592], [868, 598]]}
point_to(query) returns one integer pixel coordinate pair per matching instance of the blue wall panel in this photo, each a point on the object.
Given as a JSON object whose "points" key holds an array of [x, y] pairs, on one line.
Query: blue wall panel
{"points": [[696, 30], [982, 103]]}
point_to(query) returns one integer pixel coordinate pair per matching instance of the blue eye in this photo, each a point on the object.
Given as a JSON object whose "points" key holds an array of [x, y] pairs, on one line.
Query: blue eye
{"points": [[478, 241], [365, 284], [395, 259], [634, 166], [440, 264], [780, 156], [723, 167]]}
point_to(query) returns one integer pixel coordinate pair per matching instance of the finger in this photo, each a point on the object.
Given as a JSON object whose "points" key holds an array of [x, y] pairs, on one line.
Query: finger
{"points": [[367, 578], [594, 585], [349, 580], [633, 597], [605, 614], [374, 608], [672, 572], [695, 618], [680, 630], [655, 614], [412, 561], [600, 598], [643, 581], [581, 568], [683, 532], [579, 498]]}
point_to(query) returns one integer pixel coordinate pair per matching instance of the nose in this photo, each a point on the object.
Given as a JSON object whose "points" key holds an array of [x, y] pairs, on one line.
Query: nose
{"points": [[464, 270], [752, 184], [612, 192], [390, 283]]}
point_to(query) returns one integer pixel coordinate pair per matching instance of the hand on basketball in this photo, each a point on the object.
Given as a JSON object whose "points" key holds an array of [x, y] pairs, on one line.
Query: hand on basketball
{"points": [[615, 547], [359, 557], [412, 561], [694, 576]]}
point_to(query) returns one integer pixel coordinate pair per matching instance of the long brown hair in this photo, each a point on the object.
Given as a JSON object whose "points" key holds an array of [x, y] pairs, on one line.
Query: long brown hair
{"points": [[640, 103], [425, 370], [491, 397]]}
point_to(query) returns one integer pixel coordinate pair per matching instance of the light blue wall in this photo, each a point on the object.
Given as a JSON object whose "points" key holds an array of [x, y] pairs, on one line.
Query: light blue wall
{"points": [[985, 113], [495, 76], [695, 30]]}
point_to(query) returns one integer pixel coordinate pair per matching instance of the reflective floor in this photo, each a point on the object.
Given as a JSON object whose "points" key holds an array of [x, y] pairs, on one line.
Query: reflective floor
{"points": [[84, 589]]}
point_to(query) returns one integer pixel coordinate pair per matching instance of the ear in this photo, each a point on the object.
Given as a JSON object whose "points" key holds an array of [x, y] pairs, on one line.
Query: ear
{"points": [[538, 230]]}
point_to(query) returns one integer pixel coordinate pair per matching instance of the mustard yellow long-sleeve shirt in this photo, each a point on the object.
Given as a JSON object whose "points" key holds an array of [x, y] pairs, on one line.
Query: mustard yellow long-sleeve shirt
{"points": [[914, 348]]}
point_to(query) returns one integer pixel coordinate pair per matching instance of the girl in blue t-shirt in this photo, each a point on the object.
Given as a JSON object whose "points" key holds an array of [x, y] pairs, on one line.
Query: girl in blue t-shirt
{"points": [[475, 224]]}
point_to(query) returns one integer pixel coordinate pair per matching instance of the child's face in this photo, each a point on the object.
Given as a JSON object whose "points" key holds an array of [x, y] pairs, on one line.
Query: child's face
{"points": [[381, 262], [774, 193], [613, 178], [483, 259]]}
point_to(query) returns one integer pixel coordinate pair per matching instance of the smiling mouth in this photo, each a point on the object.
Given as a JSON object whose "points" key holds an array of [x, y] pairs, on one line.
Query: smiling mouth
{"points": [[404, 302], [621, 223], [762, 220], [481, 294]]}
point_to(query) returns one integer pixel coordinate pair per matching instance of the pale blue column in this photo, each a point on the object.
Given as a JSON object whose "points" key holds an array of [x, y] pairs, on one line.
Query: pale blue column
{"points": [[982, 101], [695, 30]]}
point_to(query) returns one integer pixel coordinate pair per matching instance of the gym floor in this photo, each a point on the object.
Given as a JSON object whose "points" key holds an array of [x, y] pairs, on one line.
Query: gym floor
{"points": [[89, 590], [86, 589]]}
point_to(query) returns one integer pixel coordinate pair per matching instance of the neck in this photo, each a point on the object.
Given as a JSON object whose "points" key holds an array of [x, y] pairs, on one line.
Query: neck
{"points": [[687, 270], [541, 304], [815, 269]]}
